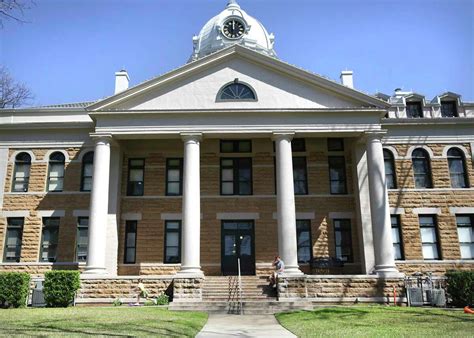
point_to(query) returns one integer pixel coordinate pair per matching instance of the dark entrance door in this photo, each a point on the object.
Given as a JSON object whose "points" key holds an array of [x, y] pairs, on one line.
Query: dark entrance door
{"points": [[238, 242]]}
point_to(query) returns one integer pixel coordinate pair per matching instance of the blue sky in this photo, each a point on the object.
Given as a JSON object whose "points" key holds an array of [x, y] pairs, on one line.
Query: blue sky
{"points": [[69, 49]]}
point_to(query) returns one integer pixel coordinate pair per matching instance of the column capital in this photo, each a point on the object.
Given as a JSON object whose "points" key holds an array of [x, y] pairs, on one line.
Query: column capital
{"points": [[283, 135], [376, 135], [193, 137], [104, 138]]}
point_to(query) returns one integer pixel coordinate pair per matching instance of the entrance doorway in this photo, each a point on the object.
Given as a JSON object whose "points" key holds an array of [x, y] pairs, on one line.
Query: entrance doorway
{"points": [[238, 242]]}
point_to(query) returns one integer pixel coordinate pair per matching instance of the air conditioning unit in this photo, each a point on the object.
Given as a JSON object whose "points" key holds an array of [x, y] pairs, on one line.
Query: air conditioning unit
{"points": [[415, 295], [436, 297]]}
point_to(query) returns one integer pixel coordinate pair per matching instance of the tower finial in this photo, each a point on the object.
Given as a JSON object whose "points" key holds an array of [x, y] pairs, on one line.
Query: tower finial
{"points": [[232, 3]]}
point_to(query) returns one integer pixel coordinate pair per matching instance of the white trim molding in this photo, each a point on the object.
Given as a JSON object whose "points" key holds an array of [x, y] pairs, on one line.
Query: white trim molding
{"points": [[15, 153], [51, 213], [397, 211], [51, 151], [339, 214], [16, 213], [80, 213], [82, 152], [132, 216], [394, 152], [467, 156], [171, 216], [412, 148], [428, 211], [237, 215], [461, 210]]}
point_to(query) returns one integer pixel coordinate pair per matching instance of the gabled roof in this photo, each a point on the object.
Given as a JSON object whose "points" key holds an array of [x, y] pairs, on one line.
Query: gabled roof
{"points": [[245, 53]]}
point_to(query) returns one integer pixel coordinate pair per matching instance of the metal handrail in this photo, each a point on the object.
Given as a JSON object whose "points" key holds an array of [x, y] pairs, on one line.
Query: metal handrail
{"points": [[240, 285]]}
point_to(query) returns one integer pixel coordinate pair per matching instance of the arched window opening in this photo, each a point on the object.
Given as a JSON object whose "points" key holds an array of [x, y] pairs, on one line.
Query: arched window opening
{"points": [[390, 177], [421, 168], [56, 171], [236, 91], [87, 167], [457, 168], [21, 176]]}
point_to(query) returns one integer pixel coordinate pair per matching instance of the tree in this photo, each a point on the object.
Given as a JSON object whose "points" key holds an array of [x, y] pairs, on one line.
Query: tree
{"points": [[13, 9], [12, 93]]}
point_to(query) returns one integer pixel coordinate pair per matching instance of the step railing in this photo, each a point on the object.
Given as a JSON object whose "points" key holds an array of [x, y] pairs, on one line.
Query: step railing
{"points": [[240, 286]]}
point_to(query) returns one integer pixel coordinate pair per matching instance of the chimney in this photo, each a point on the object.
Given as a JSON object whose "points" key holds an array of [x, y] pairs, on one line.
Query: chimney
{"points": [[346, 78], [121, 81]]}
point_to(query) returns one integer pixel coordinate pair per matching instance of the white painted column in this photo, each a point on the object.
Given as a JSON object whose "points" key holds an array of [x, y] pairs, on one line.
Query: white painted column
{"points": [[191, 226], [99, 208], [287, 245], [379, 207]]}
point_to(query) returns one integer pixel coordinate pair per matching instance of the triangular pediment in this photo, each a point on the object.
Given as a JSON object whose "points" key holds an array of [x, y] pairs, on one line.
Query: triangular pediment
{"points": [[278, 86]]}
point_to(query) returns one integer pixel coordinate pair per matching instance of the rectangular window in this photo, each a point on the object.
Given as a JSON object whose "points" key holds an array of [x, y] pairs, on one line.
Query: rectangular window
{"points": [[303, 235], [335, 144], [414, 110], [448, 109], [173, 242], [429, 237], [337, 175], [136, 173], [49, 239], [82, 239], [236, 176], [300, 176], [236, 146], [465, 225], [343, 239], [298, 145], [12, 250], [174, 176], [130, 242], [56, 177], [397, 237], [21, 177]]}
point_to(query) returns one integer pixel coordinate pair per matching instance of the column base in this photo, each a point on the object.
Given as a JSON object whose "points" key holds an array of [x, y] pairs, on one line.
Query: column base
{"points": [[292, 271], [388, 271], [95, 270], [190, 272]]}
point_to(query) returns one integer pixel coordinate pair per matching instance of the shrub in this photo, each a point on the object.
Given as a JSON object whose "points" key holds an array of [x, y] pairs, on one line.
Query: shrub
{"points": [[460, 287], [60, 287], [117, 302], [162, 299], [14, 287]]}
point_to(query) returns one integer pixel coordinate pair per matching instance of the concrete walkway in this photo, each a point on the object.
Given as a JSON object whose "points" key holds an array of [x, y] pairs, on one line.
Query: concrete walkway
{"points": [[220, 325]]}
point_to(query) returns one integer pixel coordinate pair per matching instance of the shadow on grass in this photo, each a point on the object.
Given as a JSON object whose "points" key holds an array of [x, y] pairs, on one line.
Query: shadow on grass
{"points": [[328, 313]]}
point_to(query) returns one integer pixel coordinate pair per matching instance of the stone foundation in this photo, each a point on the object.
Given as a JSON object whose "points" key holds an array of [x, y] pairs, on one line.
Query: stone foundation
{"points": [[438, 268], [187, 289]]}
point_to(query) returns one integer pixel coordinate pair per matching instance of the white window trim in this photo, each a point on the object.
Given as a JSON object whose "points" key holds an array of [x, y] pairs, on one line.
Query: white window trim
{"points": [[16, 213], [427, 211], [467, 156], [394, 152], [80, 213], [341, 215], [428, 149], [132, 216], [237, 215], [300, 215], [461, 210], [15, 153], [397, 211], [51, 213]]}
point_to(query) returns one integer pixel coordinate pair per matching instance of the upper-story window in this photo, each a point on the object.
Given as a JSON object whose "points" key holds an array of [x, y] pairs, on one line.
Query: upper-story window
{"points": [[174, 176], [239, 146], [414, 109], [136, 174], [87, 167], [56, 171], [21, 176], [449, 109], [421, 168], [390, 178], [457, 168], [236, 91]]}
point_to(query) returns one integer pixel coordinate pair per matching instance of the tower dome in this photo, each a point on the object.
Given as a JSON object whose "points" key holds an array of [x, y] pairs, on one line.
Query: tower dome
{"points": [[232, 26]]}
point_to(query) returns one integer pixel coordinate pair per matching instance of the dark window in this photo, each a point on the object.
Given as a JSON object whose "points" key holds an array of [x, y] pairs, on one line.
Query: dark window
{"points": [[448, 109], [337, 175], [49, 239], [56, 171], [303, 235], [297, 145], [236, 146], [300, 176], [390, 177], [457, 168], [236, 91], [174, 176], [236, 176], [136, 173], [12, 250], [421, 168], [335, 144], [465, 225], [343, 239], [21, 177], [87, 168], [130, 242], [397, 237], [82, 239], [429, 237], [173, 242], [414, 109]]}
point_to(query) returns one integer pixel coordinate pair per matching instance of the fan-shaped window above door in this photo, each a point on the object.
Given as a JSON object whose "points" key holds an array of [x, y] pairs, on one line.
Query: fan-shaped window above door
{"points": [[236, 91]]}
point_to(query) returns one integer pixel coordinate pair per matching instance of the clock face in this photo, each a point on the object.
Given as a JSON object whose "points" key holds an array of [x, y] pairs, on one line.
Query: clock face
{"points": [[233, 29]]}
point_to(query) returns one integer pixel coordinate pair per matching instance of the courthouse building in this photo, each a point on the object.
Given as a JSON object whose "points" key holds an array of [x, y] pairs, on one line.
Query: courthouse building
{"points": [[239, 155]]}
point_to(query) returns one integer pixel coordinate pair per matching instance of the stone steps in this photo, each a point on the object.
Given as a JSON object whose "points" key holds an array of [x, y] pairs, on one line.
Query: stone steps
{"points": [[226, 288]]}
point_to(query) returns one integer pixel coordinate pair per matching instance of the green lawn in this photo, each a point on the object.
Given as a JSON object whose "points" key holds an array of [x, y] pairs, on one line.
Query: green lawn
{"points": [[378, 321], [117, 321]]}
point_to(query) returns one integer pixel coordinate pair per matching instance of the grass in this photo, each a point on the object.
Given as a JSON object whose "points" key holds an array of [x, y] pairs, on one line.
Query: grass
{"points": [[101, 321], [378, 321]]}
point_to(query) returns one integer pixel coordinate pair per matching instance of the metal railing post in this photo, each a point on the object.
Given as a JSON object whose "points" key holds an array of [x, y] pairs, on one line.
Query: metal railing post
{"points": [[240, 286]]}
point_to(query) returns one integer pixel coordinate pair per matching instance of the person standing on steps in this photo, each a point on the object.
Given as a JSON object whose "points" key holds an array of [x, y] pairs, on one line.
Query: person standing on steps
{"points": [[279, 269]]}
